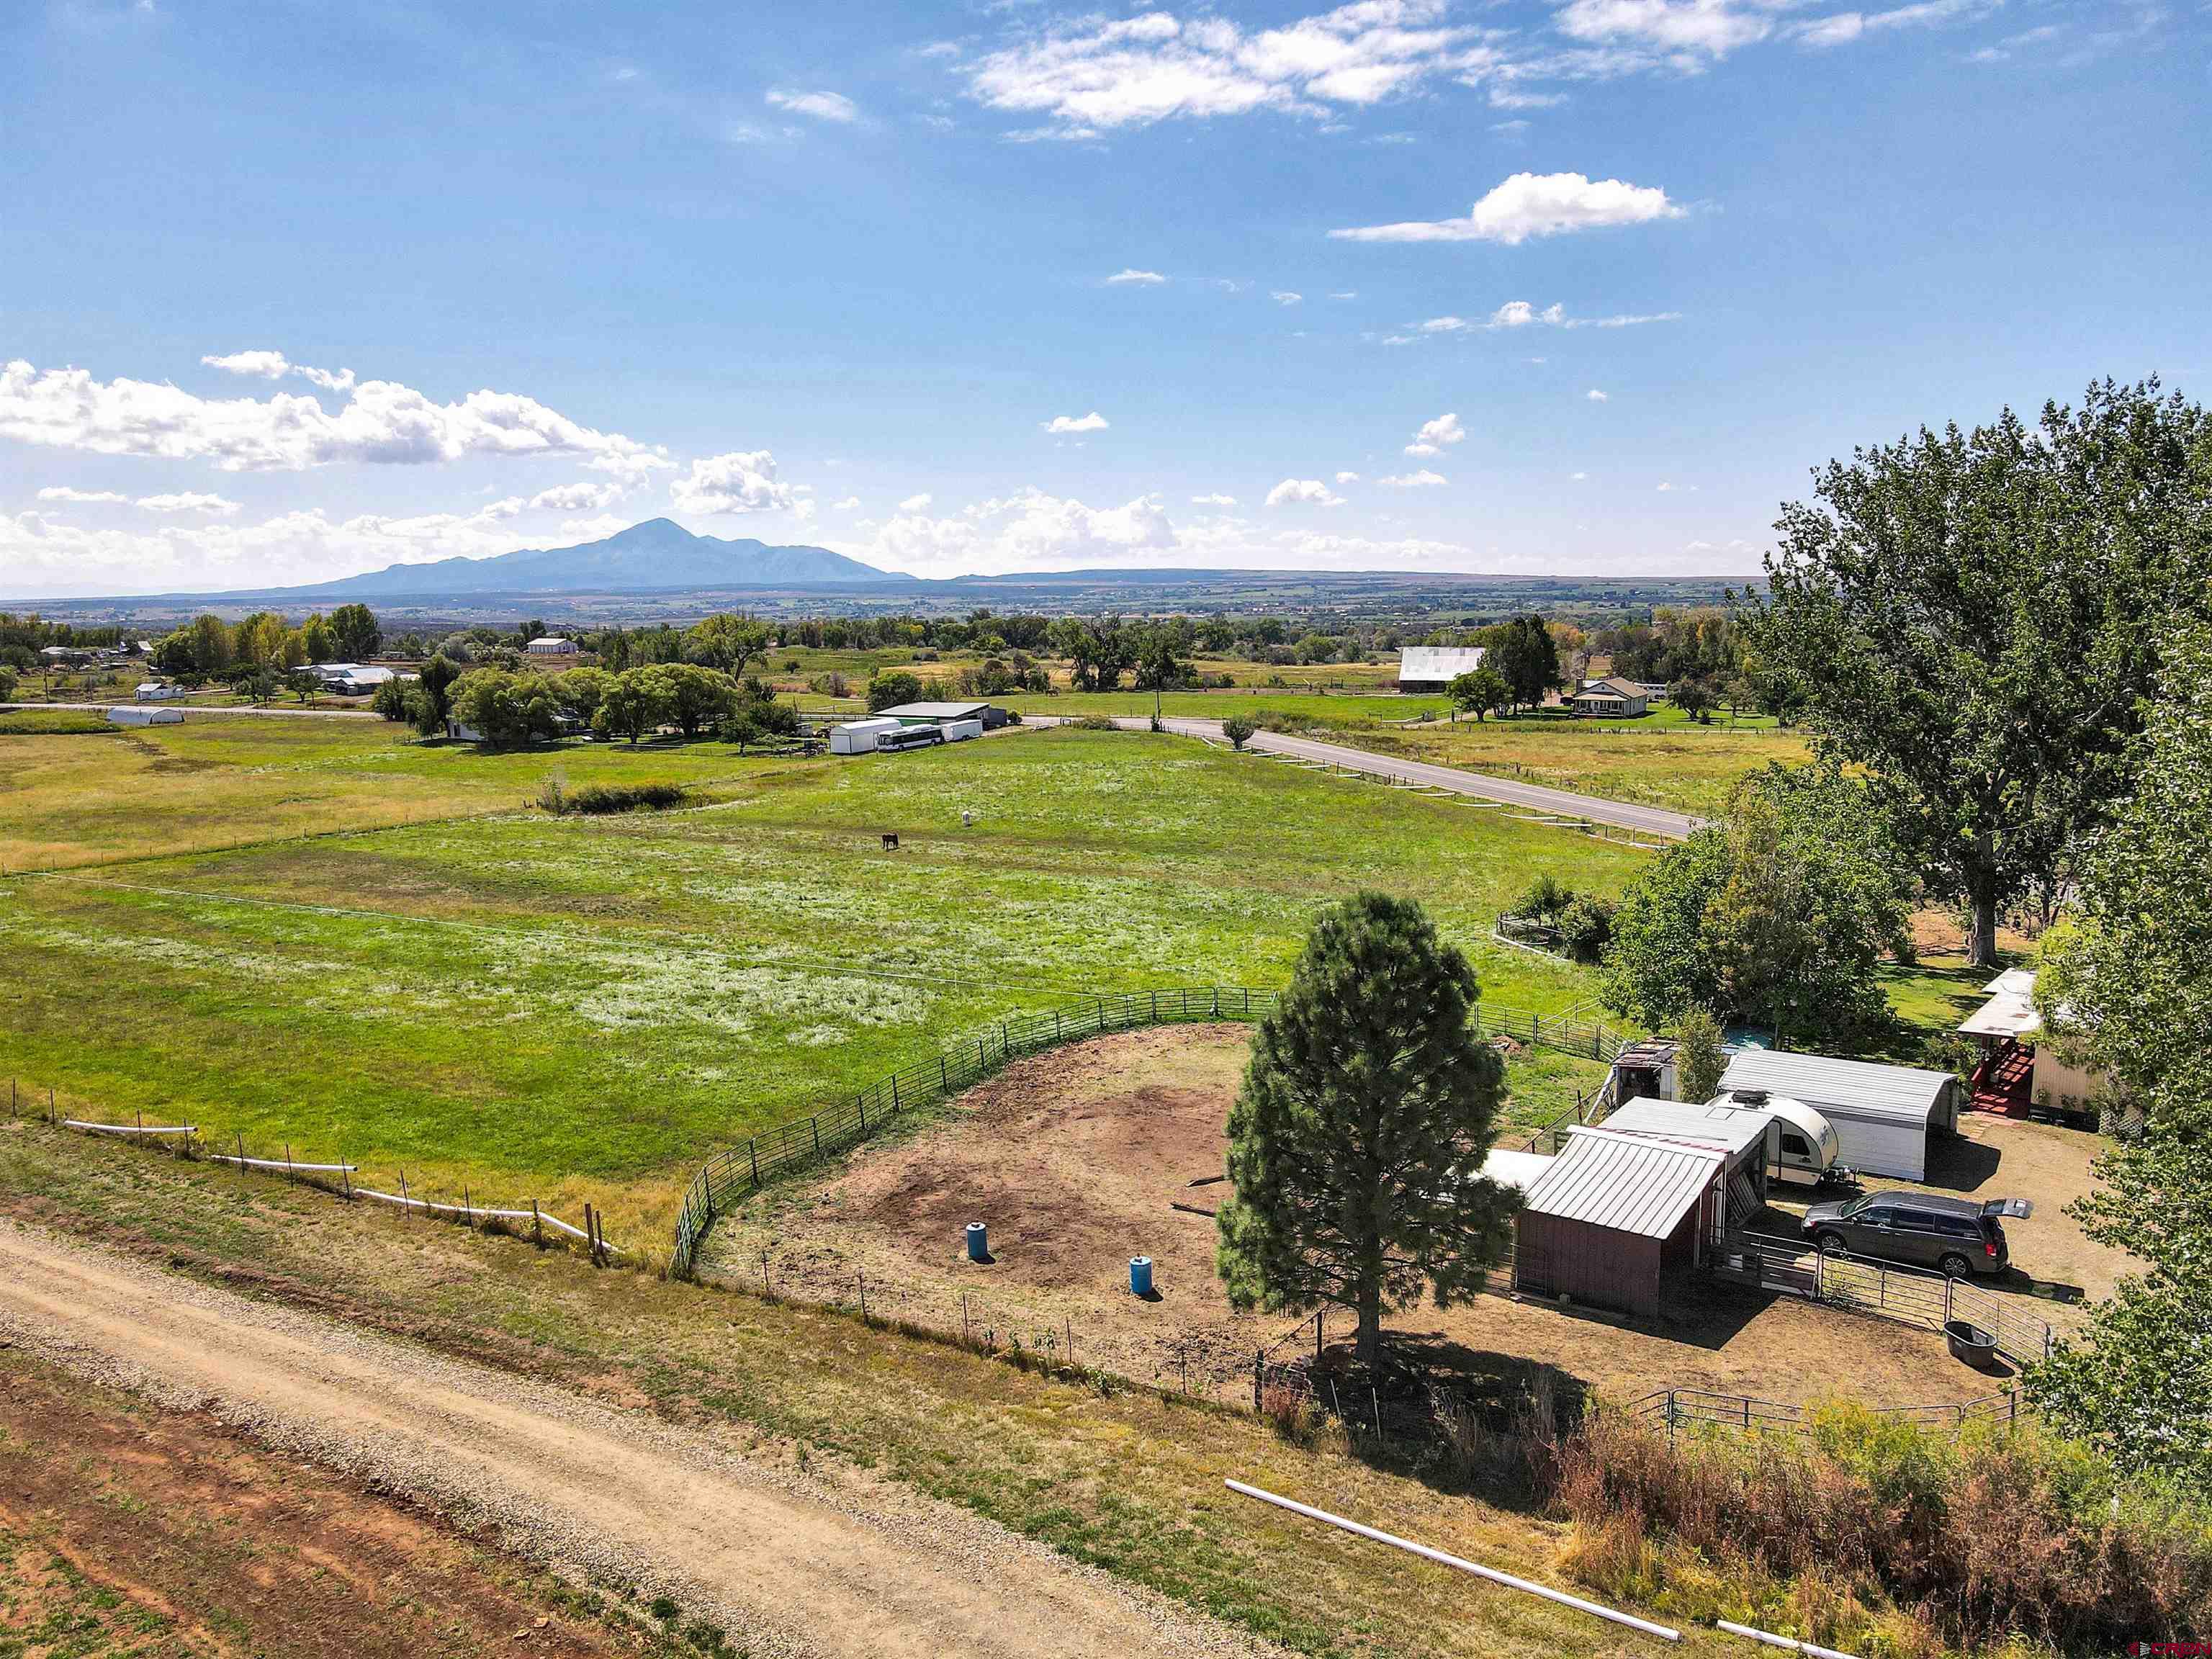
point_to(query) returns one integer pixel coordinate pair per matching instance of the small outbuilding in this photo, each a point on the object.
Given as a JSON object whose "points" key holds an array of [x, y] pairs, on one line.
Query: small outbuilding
{"points": [[1884, 1117], [859, 736], [985, 717], [137, 714], [1751, 1141], [1618, 1218], [551, 645], [157, 691], [1433, 668]]}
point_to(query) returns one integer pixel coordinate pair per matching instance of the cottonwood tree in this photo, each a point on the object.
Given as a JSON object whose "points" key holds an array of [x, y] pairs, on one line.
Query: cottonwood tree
{"points": [[727, 640], [1524, 653], [356, 630], [1477, 691], [1366, 1109], [1973, 618], [2128, 993], [1778, 914]]}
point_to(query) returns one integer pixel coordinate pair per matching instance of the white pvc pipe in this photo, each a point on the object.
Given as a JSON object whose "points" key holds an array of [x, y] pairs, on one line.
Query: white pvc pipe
{"points": [[1791, 1643], [131, 1129], [282, 1163], [1438, 1556], [553, 1221]]}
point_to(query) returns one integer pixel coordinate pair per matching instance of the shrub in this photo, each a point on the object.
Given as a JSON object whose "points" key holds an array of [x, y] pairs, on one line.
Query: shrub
{"points": [[1586, 925], [1699, 1060], [599, 797], [1238, 730], [1545, 898], [1093, 723]]}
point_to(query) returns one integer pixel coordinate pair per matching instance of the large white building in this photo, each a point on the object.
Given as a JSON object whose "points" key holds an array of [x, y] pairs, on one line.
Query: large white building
{"points": [[1433, 667]]}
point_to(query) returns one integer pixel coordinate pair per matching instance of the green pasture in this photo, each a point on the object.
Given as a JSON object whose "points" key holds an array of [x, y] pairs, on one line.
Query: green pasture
{"points": [[554, 1008]]}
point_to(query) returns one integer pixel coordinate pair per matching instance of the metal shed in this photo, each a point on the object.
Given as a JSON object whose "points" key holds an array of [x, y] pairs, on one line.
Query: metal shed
{"points": [[1751, 1140], [1883, 1115], [1616, 1216]]}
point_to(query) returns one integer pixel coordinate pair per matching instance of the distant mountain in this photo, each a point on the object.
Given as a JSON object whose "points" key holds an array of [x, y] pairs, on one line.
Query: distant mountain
{"points": [[655, 555]]}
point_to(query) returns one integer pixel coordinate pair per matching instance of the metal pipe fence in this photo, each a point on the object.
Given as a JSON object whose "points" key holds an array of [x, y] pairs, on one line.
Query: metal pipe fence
{"points": [[1675, 1409], [729, 1178]]}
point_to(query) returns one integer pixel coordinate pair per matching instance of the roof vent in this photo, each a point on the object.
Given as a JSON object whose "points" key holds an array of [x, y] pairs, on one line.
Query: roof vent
{"points": [[1751, 1096]]}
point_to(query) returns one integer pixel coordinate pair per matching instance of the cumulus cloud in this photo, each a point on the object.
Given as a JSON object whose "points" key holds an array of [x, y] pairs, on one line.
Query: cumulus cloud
{"points": [[582, 496], [1061, 425], [743, 480], [189, 500], [819, 105], [1214, 499], [850, 504], [1423, 479], [1434, 435], [1283, 296], [65, 493], [1347, 477], [1093, 75], [1027, 531], [1595, 395], [915, 503], [381, 422], [273, 366], [1530, 204], [1308, 492], [1131, 274]]}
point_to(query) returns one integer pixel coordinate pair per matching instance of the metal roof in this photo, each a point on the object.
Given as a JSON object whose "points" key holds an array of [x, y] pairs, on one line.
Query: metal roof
{"points": [[1438, 662], [934, 711], [1859, 1087], [1735, 1129], [1628, 1183]]}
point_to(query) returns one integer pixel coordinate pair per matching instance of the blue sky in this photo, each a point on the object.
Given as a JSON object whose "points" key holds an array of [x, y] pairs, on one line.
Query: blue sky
{"points": [[290, 290]]}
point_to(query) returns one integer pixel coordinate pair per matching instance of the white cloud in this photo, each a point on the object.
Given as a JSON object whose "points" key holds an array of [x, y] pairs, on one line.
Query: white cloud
{"points": [[914, 504], [1142, 278], [1345, 293], [1061, 425], [1713, 28], [820, 106], [1215, 500], [1446, 325], [1532, 205], [189, 502], [850, 504], [1435, 435], [64, 493], [1578, 476], [1595, 395], [1283, 296], [1309, 492], [597, 528], [582, 496], [272, 366], [1093, 75], [1347, 477], [1519, 313], [1423, 479], [1028, 531], [743, 480], [382, 422]]}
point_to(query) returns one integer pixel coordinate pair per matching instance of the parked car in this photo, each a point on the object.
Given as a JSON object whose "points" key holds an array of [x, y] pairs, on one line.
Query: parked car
{"points": [[1959, 1237]]}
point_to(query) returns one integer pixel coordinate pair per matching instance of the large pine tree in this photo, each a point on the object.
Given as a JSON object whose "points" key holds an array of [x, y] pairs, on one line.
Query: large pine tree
{"points": [[1366, 1110]]}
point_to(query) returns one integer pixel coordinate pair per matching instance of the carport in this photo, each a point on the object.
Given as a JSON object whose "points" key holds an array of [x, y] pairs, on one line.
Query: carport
{"points": [[1883, 1115], [1616, 1218]]}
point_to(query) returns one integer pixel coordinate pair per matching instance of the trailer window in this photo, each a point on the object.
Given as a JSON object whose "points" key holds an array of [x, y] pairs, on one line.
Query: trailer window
{"points": [[1795, 1145]]}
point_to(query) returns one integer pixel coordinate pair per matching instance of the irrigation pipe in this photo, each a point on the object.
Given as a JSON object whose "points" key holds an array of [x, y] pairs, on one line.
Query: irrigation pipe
{"points": [[1791, 1643], [130, 1128], [424, 1204], [1491, 1573], [281, 1163]]}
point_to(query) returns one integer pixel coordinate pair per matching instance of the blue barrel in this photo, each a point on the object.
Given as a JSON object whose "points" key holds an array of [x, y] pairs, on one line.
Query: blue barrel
{"points": [[979, 1242], [1140, 1275]]}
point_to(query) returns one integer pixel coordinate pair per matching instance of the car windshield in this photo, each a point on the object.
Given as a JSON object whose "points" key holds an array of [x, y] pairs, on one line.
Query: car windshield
{"points": [[1854, 1207]]}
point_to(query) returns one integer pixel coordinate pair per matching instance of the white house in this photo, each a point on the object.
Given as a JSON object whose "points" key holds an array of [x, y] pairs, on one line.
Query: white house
{"points": [[1433, 667], [553, 645], [157, 691], [1611, 698], [2016, 1070]]}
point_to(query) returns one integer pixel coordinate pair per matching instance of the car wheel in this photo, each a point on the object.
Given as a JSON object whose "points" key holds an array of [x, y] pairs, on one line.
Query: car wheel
{"points": [[1955, 1266], [1832, 1244]]}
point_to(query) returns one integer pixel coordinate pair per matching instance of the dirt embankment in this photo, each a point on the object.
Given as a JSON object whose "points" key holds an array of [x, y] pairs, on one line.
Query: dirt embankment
{"points": [[786, 1561]]}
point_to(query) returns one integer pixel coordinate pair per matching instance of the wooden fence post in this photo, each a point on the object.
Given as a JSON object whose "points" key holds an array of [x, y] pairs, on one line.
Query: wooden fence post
{"points": [[752, 1147], [1259, 1370], [967, 1338], [862, 1273]]}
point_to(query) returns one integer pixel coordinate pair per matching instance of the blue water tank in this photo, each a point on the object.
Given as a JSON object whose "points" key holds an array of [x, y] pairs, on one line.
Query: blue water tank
{"points": [[1140, 1275], [979, 1242]]}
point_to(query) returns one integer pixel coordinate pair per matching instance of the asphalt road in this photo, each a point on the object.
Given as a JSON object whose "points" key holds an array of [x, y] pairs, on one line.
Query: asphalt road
{"points": [[361, 714], [1656, 823]]}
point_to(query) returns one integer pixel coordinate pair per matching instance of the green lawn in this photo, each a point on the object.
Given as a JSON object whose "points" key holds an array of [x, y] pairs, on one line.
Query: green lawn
{"points": [[583, 1007]]}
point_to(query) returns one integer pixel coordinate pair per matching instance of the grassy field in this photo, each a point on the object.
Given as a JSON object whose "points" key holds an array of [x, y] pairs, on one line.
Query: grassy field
{"points": [[572, 1008]]}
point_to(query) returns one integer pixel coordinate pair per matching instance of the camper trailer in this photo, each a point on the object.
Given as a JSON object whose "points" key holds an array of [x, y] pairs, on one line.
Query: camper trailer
{"points": [[1808, 1150]]}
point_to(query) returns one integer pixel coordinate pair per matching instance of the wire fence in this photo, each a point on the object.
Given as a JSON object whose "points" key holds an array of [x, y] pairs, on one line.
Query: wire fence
{"points": [[727, 1179], [1676, 1409], [186, 1141]]}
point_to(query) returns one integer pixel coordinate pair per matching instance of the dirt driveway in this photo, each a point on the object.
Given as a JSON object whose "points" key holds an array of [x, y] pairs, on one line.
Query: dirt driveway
{"points": [[787, 1561], [1079, 1158]]}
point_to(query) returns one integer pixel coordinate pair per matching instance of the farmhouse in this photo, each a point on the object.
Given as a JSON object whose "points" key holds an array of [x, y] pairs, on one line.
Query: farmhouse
{"points": [[553, 645], [1883, 1115], [1619, 1218], [2016, 1072], [157, 691], [1611, 698], [1433, 667]]}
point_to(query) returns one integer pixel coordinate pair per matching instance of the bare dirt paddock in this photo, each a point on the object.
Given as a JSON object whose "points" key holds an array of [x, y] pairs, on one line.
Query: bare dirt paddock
{"points": [[1077, 1160]]}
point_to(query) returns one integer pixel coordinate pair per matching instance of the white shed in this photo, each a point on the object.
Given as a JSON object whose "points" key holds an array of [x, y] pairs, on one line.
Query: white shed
{"points": [[136, 714], [859, 736], [1433, 667], [1882, 1116]]}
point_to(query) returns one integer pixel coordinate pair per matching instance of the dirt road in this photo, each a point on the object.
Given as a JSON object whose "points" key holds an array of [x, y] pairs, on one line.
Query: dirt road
{"points": [[788, 1560]]}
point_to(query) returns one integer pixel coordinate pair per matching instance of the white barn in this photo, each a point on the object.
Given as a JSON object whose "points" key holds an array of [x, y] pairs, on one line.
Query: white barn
{"points": [[1883, 1115], [1433, 667]]}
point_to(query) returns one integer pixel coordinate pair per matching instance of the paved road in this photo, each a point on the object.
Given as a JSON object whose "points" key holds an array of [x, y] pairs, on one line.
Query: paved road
{"points": [[1655, 821], [809, 1564]]}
